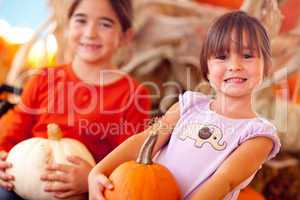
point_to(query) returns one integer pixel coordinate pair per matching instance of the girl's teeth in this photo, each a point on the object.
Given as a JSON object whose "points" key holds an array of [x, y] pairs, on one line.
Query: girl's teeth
{"points": [[91, 46], [235, 80]]}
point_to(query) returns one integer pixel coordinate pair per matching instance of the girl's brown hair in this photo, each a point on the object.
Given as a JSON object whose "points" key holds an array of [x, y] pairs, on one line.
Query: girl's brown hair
{"points": [[218, 39], [122, 8]]}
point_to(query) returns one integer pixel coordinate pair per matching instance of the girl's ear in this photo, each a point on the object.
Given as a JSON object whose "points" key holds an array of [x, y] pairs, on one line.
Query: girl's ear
{"points": [[208, 76], [208, 66], [269, 70], [127, 37]]}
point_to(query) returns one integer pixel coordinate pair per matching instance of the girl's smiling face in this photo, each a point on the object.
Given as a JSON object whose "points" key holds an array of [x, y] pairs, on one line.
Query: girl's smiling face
{"points": [[236, 71], [95, 32]]}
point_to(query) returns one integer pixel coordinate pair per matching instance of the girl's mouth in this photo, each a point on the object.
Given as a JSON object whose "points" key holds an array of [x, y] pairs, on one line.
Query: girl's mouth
{"points": [[235, 80], [91, 47]]}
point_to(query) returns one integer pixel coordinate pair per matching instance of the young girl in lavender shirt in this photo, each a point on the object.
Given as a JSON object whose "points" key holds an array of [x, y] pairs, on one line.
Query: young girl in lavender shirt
{"points": [[217, 144]]}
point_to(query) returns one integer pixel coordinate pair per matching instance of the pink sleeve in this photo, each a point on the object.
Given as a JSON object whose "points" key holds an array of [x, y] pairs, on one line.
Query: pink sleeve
{"points": [[264, 129], [189, 99]]}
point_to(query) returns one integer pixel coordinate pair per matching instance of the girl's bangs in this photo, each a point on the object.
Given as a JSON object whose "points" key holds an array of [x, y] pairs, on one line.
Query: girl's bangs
{"points": [[238, 34]]}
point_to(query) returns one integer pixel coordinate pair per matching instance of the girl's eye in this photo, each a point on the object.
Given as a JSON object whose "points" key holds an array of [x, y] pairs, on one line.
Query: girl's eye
{"points": [[80, 21], [247, 55], [105, 24], [221, 57]]}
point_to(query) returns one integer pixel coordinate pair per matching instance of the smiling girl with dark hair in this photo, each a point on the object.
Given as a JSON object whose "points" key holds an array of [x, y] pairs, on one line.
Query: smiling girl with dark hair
{"points": [[90, 99], [213, 147]]}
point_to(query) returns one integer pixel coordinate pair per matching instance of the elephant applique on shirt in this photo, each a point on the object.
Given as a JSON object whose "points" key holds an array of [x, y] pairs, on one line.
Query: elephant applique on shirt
{"points": [[203, 133]]}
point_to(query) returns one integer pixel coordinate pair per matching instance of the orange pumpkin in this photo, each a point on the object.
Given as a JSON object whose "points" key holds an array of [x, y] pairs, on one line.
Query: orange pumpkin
{"points": [[232, 4], [289, 8], [289, 86], [250, 194], [142, 179], [291, 12], [2, 44]]}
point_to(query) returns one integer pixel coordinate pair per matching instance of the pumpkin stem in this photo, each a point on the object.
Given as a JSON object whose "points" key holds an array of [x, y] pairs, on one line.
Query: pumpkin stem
{"points": [[54, 132], [145, 154]]}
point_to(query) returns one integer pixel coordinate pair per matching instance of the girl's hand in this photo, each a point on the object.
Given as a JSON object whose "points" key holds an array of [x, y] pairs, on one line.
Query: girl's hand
{"points": [[5, 178], [97, 183], [67, 180]]}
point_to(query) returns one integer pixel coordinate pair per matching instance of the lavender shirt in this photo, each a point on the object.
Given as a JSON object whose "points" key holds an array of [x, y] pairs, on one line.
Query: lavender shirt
{"points": [[203, 139]]}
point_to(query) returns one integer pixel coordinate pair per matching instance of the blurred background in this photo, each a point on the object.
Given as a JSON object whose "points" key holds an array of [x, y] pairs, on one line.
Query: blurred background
{"points": [[165, 50], [18, 21]]}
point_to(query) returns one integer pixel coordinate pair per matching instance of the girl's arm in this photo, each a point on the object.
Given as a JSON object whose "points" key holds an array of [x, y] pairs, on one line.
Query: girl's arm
{"points": [[16, 125], [240, 165], [129, 149]]}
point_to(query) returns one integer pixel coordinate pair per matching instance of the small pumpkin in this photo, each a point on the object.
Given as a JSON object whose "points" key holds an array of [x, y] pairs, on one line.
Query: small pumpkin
{"points": [[30, 157], [142, 179], [250, 194], [291, 12], [232, 4], [289, 90]]}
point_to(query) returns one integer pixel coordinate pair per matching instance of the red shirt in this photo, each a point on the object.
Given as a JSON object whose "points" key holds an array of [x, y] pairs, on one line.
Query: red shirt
{"points": [[101, 117]]}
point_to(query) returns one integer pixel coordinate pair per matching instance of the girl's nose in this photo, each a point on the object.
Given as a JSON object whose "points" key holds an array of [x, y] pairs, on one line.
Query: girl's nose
{"points": [[235, 67], [91, 31], [235, 64]]}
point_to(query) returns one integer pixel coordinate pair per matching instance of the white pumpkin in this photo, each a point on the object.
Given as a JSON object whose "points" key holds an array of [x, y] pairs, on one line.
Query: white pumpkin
{"points": [[30, 157]]}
